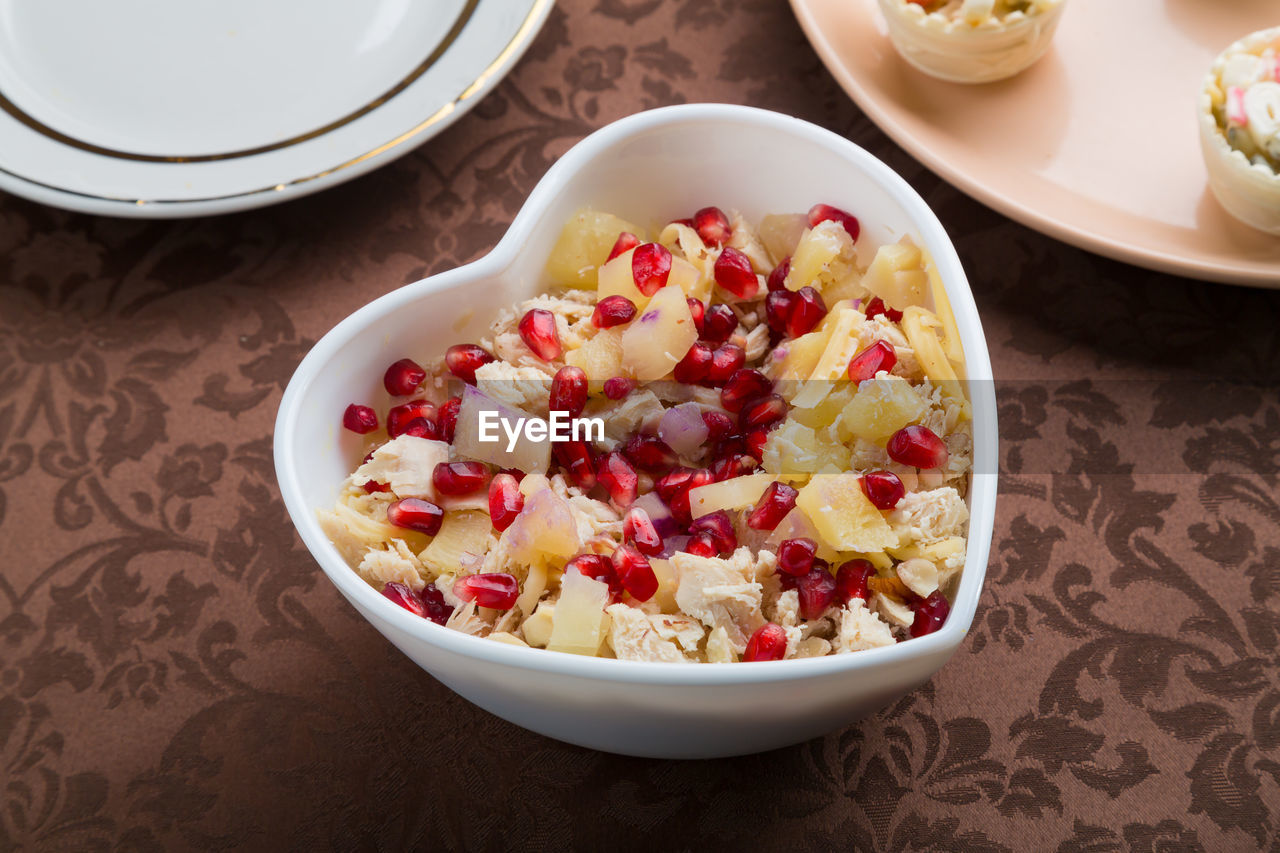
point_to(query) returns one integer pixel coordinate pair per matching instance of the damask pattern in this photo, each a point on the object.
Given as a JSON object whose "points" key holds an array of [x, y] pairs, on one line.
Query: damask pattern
{"points": [[176, 673]]}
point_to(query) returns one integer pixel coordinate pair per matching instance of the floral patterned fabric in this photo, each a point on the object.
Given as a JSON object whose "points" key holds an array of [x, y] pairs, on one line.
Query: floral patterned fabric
{"points": [[176, 673]]}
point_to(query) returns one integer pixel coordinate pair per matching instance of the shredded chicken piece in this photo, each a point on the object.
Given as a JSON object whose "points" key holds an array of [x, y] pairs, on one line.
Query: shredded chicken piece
{"points": [[466, 620], [525, 388], [892, 610], [394, 564], [632, 637], [930, 516], [405, 463], [860, 629], [720, 593], [687, 632]]}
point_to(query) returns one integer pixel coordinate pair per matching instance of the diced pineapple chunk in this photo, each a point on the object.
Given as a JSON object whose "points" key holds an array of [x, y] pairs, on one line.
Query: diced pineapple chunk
{"points": [[461, 534], [735, 493], [942, 307], [780, 233], [657, 339], [615, 279], [823, 413], [600, 357], [843, 516], [665, 597], [545, 527], [803, 354], [825, 254], [490, 445], [842, 345], [795, 449], [579, 623], [922, 328], [896, 275], [583, 245], [881, 407], [537, 628], [688, 278]]}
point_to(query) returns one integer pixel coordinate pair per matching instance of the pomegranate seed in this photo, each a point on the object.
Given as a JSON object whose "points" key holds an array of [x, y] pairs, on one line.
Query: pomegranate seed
{"points": [[505, 501], [778, 306], [702, 545], [725, 361], [415, 514], [569, 391], [875, 358], [459, 478], [757, 438], [437, 611], [448, 418], [930, 614], [463, 360], [795, 556], [718, 424], [650, 267], [626, 242], [876, 307], [618, 476], [717, 526], [712, 226], [422, 428], [918, 447], [733, 465], [405, 597], [634, 572], [669, 484], [883, 489], [403, 377], [538, 331], [699, 311], [372, 486], [613, 311], [734, 273], [399, 417], [806, 313], [578, 459], [778, 500], [744, 385], [498, 590], [762, 411], [769, 642], [679, 503], [851, 580], [360, 419], [778, 278], [650, 452], [595, 567], [817, 590], [824, 212], [638, 529], [693, 368], [719, 325], [617, 387]]}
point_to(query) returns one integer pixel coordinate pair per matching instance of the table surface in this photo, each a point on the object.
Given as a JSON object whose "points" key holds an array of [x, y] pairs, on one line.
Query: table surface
{"points": [[176, 673]]}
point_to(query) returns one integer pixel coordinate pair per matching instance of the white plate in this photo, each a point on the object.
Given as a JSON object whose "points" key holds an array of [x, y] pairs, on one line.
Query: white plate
{"points": [[163, 109]]}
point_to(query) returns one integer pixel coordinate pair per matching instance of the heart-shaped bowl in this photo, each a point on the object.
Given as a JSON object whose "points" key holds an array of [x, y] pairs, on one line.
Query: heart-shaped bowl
{"points": [[647, 168]]}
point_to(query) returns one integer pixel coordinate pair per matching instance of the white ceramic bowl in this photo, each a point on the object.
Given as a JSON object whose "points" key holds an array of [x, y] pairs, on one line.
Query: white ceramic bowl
{"points": [[648, 167]]}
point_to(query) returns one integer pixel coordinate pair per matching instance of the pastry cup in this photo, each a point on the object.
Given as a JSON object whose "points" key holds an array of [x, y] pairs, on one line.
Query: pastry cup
{"points": [[952, 50], [1249, 192]]}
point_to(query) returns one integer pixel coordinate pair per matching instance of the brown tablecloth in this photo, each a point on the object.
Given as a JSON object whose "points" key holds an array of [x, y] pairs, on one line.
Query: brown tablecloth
{"points": [[177, 673]]}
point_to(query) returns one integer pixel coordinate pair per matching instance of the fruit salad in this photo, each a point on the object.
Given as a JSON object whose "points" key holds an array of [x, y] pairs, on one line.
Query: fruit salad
{"points": [[780, 471], [1239, 113], [979, 12], [1247, 108], [972, 41]]}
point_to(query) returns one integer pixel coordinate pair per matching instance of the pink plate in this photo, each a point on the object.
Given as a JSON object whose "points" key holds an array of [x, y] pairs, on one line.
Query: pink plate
{"points": [[1095, 145]]}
